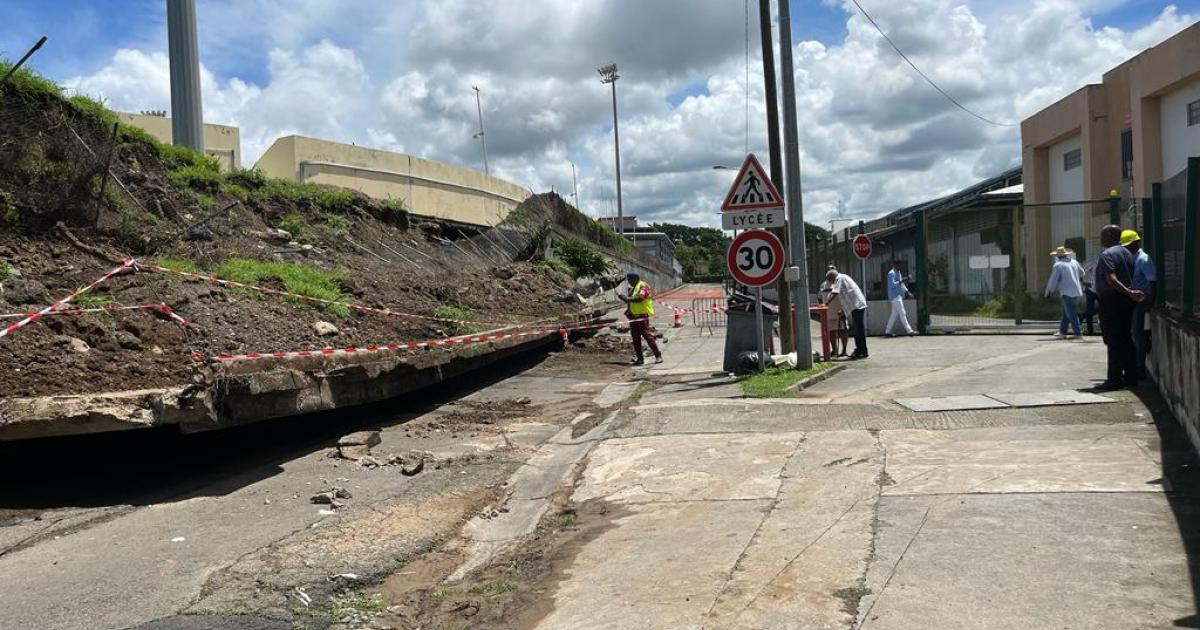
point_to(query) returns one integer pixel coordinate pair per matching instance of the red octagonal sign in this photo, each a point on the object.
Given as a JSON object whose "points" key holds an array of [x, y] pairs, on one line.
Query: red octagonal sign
{"points": [[755, 258], [862, 246]]}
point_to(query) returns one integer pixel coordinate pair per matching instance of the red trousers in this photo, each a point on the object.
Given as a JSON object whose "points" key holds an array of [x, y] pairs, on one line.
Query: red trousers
{"points": [[639, 329]]}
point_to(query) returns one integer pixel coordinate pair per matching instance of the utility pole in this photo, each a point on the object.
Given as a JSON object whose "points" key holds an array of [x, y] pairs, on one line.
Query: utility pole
{"points": [[768, 58], [791, 138], [574, 186], [480, 135], [187, 113], [608, 74]]}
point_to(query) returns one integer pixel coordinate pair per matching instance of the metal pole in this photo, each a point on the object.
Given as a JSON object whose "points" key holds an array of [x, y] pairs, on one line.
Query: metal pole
{"points": [[574, 186], [617, 151], [758, 320], [769, 82], [482, 136], [187, 113], [22, 60], [791, 136]]}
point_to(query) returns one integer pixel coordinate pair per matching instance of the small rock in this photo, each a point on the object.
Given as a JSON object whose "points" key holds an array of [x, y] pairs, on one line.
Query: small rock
{"points": [[128, 341], [369, 462], [341, 493], [323, 498], [394, 460], [409, 471], [523, 400], [199, 233], [325, 329], [78, 345], [277, 234], [357, 445]]}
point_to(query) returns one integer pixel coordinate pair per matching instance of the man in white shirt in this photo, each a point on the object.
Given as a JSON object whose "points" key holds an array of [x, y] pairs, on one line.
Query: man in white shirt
{"points": [[854, 303], [896, 293], [1065, 280]]}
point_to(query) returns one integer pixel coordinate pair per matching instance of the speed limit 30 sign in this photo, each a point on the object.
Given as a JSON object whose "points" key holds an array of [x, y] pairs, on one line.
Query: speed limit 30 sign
{"points": [[755, 258]]}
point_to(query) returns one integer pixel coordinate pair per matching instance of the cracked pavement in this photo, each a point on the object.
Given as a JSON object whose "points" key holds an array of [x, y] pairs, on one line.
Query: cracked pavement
{"points": [[841, 509]]}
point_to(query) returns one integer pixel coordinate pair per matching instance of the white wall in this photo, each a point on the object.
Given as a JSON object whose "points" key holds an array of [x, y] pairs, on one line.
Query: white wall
{"points": [[1065, 221], [1179, 141]]}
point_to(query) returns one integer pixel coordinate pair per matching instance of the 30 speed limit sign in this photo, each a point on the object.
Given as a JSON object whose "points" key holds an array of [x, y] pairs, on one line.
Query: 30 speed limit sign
{"points": [[755, 258]]}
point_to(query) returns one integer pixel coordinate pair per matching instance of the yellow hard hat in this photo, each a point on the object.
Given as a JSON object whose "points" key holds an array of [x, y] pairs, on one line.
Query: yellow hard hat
{"points": [[1129, 236]]}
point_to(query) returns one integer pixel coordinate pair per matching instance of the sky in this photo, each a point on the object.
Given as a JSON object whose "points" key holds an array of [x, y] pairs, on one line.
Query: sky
{"points": [[398, 75]]}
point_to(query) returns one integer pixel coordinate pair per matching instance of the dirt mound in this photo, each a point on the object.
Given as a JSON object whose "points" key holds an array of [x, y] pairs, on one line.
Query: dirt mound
{"points": [[169, 207]]}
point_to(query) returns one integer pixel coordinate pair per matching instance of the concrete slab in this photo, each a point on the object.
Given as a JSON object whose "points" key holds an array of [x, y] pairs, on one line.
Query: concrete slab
{"points": [[659, 567], [813, 544], [1018, 562], [687, 468], [950, 403], [1043, 399], [614, 394], [1114, 458]]}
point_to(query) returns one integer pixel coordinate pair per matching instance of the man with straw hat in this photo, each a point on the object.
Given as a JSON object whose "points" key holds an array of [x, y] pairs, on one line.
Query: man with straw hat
{"points": [[1064, 280]]}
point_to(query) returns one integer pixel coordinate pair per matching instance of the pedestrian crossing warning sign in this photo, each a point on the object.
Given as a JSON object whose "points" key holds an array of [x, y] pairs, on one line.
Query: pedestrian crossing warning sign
{"points": [[752, 190]]}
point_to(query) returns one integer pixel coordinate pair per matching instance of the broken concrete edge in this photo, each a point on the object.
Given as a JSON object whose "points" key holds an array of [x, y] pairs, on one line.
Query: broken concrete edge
{"points": [[250, 391], [815, 378]]}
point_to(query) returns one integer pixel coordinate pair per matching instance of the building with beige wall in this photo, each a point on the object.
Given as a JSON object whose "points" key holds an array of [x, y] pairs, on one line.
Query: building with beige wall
{"points": [[1137, 127], [427, 187], [220, 141]]}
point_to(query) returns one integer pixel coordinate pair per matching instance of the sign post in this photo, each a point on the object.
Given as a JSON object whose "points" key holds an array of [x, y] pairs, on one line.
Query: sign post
{"points": [[755, 259], [862, 249]]}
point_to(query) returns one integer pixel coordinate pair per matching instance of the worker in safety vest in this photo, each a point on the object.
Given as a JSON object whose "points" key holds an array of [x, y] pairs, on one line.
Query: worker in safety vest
{"points": [[641, 308]]}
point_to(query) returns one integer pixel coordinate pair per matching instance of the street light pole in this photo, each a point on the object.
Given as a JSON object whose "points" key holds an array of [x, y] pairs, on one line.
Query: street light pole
{"points": [[791, 139], [608, 74], [480, 135], [769, 87], [574, 186], [183, 51]]}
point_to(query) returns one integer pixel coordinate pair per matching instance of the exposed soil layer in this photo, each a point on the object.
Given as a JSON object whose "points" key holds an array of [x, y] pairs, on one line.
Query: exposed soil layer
{"points": [[381, 255]]}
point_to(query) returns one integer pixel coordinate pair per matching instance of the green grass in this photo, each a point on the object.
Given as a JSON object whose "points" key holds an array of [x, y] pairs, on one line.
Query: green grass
{"points": [[445, 592], [494, 587], [559, 266], [5, 271], [177, 264], [91, 300], [294, 224], [775, 381], [454, 311], [348, 606], [300, 279]]}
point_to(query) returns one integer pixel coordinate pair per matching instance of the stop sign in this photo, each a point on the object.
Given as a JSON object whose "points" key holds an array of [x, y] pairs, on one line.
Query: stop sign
{"points": [[862, 246]]}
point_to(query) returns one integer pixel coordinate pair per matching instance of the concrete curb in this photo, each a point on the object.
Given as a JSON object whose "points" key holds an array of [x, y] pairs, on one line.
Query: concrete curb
{"points": [[815, 378]]}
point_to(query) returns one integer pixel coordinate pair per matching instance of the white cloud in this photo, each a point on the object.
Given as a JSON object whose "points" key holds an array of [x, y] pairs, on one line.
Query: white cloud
{"points": [[398, 75]]}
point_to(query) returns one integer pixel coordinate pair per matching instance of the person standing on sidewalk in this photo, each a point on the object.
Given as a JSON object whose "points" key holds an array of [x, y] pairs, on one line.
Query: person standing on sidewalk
{"points": [[854, 304], [1114, 275], [1092, 301], [1145, 277], [897, 292], [1064, 280], [639, 312]]}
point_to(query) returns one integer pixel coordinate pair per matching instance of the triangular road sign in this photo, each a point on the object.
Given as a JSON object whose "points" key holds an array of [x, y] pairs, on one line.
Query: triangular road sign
{"points": [[752, 190]]}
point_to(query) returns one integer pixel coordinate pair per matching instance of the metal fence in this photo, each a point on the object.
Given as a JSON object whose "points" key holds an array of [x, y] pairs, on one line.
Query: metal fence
{"points": [[1172, 229]]}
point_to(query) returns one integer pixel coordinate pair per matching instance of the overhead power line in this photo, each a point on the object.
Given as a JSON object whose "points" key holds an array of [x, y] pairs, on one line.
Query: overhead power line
{"points": [[925, 76]]}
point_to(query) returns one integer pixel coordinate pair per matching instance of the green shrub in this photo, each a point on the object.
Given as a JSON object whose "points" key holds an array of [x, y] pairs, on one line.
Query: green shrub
{"points": [[454, 311], [583, 260], [299, 279], [294, 224], [559, 266], [203, 176], [5, 271], [29, 84]]}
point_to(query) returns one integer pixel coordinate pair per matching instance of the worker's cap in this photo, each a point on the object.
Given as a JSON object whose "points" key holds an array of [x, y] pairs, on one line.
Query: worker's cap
{"points": [[632, 274], [1129, 236]]}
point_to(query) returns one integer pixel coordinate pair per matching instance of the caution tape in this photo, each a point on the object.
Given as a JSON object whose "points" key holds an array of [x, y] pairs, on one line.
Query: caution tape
{"points": [[351, 305], [114, 308], [399, 346], [29, 318]]}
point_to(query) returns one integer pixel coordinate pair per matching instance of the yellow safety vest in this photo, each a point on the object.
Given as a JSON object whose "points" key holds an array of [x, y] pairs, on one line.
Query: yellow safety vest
{"points": [[641, 307]]}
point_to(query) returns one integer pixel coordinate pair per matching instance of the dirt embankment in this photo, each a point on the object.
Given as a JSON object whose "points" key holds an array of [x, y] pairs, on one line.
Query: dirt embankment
{"points": [[171, 207]]}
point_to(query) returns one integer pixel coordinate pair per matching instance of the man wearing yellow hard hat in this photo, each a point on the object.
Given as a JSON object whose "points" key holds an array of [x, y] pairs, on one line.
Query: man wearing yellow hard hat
{"points": [[1114, 280], [1145, 277]]}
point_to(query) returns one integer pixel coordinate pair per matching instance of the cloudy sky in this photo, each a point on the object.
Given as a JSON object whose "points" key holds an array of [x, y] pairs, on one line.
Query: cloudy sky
{"points": [[397, 74]]}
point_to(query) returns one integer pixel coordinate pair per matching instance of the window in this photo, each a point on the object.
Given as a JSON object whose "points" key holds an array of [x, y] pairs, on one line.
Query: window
{"points": [[1194, 113], [1127, 154], [1072, 159]]}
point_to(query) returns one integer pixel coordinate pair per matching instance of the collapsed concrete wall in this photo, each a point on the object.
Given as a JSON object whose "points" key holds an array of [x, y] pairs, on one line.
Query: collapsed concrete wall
{"points": [[1174, 363]]}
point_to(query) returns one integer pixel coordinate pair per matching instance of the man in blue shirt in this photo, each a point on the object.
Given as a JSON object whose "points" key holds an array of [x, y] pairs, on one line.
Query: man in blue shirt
{"points": [[1064, 280], [1145, 276], [896, 294], [1114, 275]]}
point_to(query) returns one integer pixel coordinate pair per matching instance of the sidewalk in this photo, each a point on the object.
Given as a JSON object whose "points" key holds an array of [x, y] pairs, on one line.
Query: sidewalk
{"points": [[844, 509]]}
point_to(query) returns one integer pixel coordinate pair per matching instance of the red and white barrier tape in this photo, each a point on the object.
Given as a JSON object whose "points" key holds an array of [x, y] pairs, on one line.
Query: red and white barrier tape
{"points": [[159, 308], [401, 346], [61, 304], [359, 307]]}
